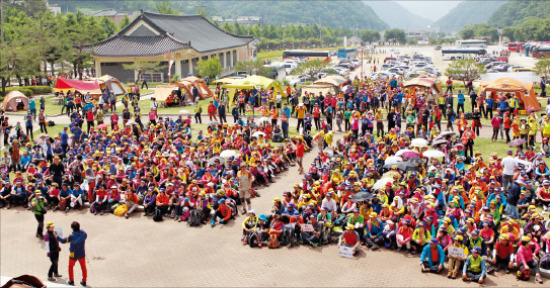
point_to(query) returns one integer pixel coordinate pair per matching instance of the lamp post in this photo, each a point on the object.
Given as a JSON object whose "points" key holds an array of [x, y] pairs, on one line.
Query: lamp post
{"points": [[499, 31]]}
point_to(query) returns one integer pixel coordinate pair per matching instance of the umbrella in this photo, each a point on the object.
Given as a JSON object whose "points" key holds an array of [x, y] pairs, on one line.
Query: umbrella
{"points": [[264, 120], [419, 142], [433, 154], [407, 153], [258, 133], [390, 174], [362, 196], [381, 183], [417, 160], [393, 160], [517, 142], [103, 126], [228, 153], [447, 133], [88, 106], [213, 159], [213, 123], [403, 166], [129, 123], [439, 142], [459, 145]]}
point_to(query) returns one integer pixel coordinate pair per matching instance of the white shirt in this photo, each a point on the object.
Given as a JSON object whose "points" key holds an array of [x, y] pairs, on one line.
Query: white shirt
{"points": [[509, 164], [330, 205]]}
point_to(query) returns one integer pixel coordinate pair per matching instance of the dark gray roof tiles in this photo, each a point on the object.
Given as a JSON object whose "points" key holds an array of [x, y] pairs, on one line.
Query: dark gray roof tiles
{"points": [[177, 32], [122, 46]]}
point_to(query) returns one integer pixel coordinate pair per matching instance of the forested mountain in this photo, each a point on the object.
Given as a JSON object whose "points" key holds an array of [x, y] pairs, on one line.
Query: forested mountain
{"points": [[336, 14], [397, 16], [467, 13], [515, 12]]}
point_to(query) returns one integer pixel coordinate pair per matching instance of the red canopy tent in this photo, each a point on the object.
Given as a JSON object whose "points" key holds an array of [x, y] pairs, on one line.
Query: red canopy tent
{"points": [[64, 85]]}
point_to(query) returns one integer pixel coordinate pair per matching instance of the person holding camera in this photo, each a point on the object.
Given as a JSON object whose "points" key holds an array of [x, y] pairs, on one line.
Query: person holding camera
{"points": [[38, 204]]}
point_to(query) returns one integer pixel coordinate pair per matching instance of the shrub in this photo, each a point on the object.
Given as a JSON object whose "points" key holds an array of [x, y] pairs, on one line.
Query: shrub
{"points": [[40, 89], [29, 90]]}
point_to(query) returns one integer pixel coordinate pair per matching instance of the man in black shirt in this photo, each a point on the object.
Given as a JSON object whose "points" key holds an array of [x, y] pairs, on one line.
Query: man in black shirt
{"points": [[57, 170]]}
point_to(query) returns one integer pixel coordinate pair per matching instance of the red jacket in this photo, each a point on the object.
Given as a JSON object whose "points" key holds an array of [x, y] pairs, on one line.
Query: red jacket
{"points": [[226, 212]]}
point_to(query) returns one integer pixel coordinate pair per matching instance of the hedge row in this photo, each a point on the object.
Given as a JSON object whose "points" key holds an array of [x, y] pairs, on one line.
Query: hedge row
{"points": [[28, 90]]}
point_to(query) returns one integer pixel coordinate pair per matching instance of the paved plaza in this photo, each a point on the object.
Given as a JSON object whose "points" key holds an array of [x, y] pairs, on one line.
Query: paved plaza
{"points": [[138, 252]]}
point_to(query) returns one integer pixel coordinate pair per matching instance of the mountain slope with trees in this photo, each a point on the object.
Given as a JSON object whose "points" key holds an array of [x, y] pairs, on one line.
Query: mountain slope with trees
{"points": [[515, 12], [467, 13]]}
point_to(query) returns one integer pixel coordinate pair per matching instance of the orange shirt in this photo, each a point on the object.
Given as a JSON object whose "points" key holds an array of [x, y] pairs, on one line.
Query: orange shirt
{"points": [[162, 199]]}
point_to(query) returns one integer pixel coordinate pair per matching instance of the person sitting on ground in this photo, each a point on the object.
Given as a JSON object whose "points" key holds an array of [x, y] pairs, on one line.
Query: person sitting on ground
{"points": [[223, 212], [150, 201], [526, 259], [474, 269], [76, 197], [101, 200], [454, 261], [131, 202], [432, 257], [350, 239], [249, 224]]}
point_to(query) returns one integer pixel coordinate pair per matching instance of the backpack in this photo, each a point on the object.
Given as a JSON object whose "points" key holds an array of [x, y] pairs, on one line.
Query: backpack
{"points": [[158, 215], [121, 210], [253, 239], [194, 219], [524, 274], [545, 262], [93, 208], [273, 241], [51, 123]]}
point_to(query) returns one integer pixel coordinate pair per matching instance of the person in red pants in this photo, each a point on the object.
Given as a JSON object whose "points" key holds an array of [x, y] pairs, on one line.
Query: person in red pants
{"points": [[76, 252]]}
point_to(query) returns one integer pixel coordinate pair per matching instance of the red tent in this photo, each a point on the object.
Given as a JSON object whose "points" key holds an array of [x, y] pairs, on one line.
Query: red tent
{"points": [[64, 85]]}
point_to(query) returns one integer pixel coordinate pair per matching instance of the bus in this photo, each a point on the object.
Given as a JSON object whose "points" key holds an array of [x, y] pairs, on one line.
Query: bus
{"points": [[461, 53], [347, 53], [541, 51], [473, 43], [306, 54], [514, 46]]}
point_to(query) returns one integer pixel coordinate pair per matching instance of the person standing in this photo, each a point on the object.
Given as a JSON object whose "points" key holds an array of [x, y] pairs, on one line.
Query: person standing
{"points": [[32, 108], [42, 122], [222, 112], [28, 125], [198, 111], [38, 204], [460, 102], [52, 245], [77, 252], [245, 180], [144, 82]]}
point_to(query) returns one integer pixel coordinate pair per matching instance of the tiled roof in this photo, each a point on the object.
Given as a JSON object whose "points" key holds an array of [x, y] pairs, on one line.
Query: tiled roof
{"points": [[122, 46], [176, 32]]}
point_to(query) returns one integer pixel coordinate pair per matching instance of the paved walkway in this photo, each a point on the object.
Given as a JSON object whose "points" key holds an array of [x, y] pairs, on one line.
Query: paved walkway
{"points": [[138, 252]]}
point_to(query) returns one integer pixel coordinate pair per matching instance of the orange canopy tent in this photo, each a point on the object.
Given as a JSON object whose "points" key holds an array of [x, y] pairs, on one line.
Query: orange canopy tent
{"points": [[423, 83], [524, 90], [188, 83]]}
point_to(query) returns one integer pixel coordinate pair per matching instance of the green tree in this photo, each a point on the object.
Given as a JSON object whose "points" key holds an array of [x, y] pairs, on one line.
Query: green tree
{"points": [[124, 22], [311, 67], [369, 36], [542, 67], [143, 68], [211, 67], [165, 7], [395, 35], [464, 70], [252, 67]]}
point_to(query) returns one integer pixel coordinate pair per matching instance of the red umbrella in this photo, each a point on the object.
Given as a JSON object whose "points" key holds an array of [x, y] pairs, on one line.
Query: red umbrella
{"points": [[103, 126]]}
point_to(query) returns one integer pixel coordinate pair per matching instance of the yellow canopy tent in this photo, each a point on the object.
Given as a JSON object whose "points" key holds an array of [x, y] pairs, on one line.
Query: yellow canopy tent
{"points": [[162, 92], [252, 82], [315, 89], [334, 80], [524, 90]]}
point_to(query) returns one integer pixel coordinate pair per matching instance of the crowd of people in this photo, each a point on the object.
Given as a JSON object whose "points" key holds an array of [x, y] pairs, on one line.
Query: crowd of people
{"points": [[481, 213]]}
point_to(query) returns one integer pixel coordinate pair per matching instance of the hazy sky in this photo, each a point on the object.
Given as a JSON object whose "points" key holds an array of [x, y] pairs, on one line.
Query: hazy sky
{"points": [[432, 10]]}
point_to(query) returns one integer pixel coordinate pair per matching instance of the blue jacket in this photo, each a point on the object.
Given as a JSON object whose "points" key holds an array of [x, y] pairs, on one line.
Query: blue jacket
{"points": [[77, 240], [427, 254], [467, 265]]}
